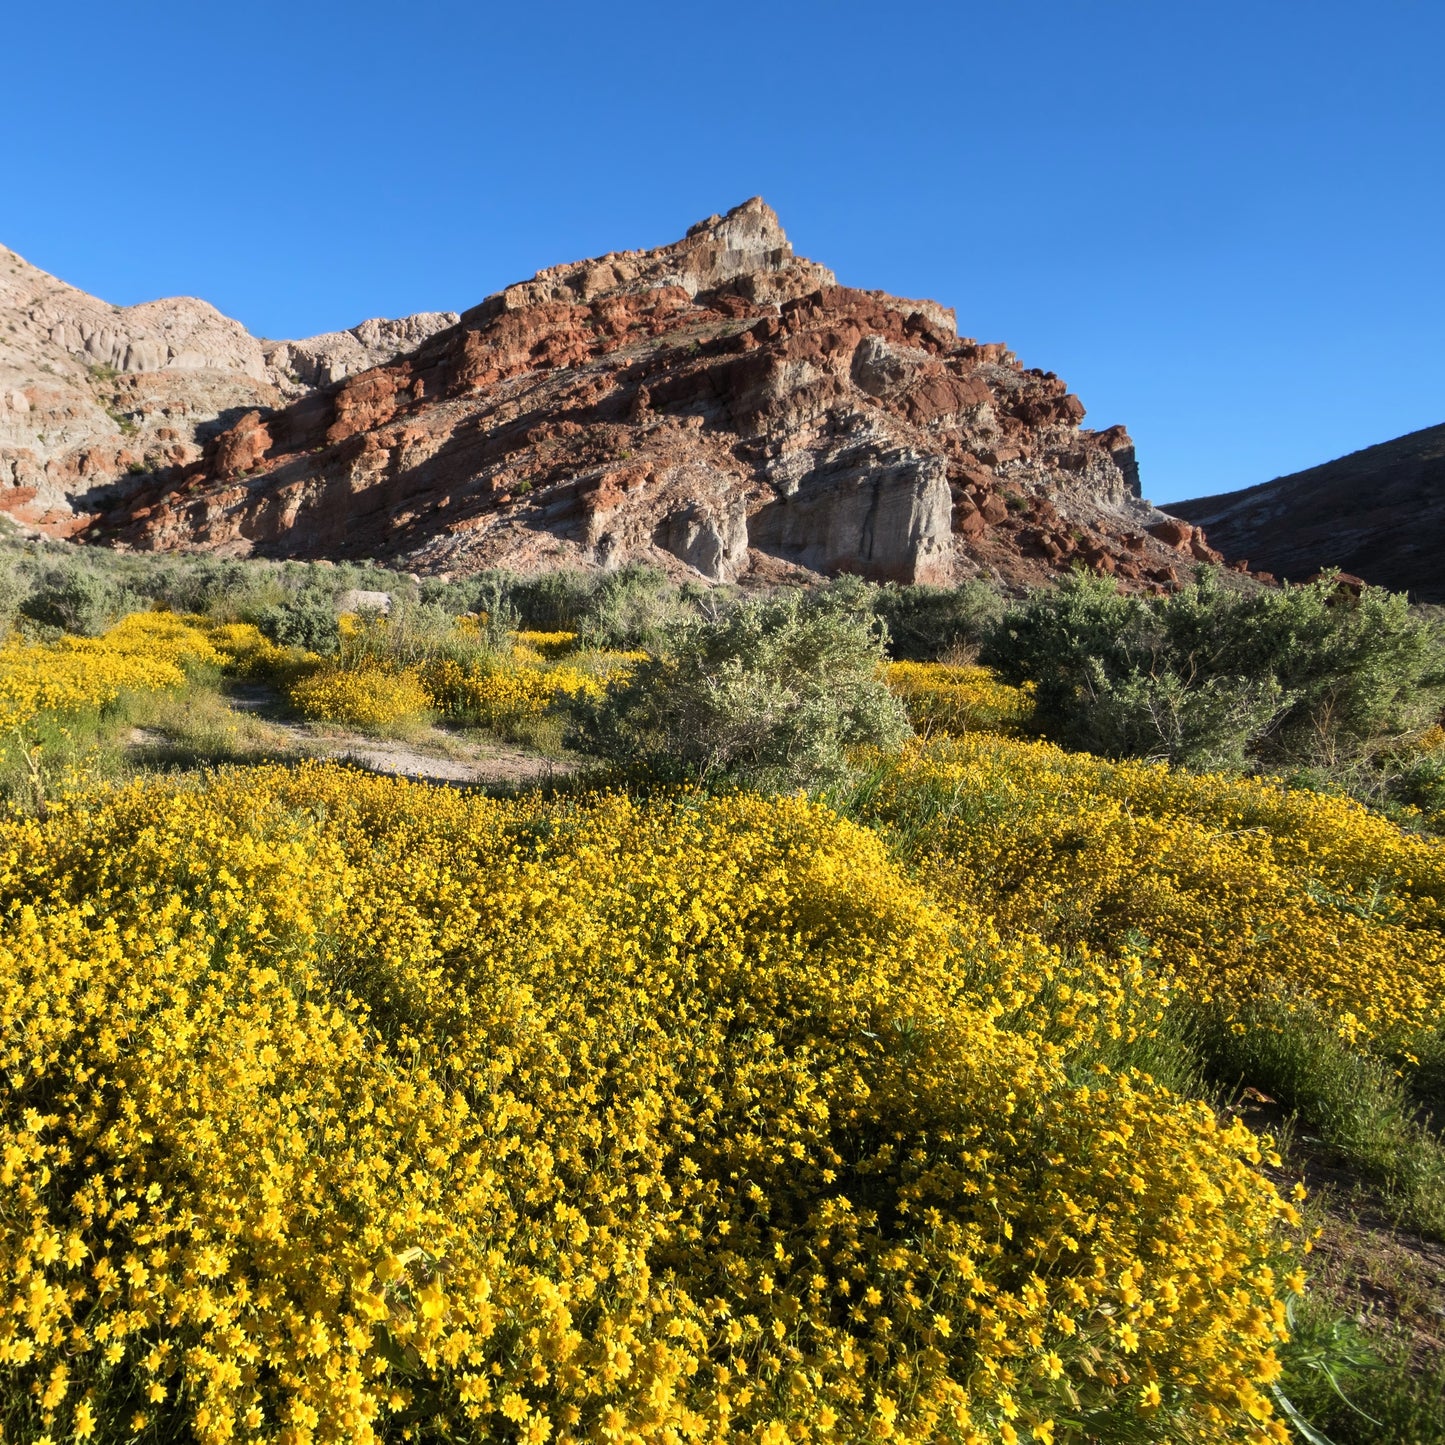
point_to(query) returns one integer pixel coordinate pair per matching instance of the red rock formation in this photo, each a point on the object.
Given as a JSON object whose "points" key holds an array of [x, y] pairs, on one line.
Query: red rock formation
{"points": [[93, 396], [719, 406]]}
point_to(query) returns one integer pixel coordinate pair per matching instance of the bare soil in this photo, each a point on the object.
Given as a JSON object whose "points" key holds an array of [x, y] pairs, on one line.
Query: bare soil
{"points": [[251, 725], [1389, 1278]]}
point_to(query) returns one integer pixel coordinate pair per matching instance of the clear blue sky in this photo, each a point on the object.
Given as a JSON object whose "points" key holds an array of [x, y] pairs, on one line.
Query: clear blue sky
{"points": [[1220, 222]]}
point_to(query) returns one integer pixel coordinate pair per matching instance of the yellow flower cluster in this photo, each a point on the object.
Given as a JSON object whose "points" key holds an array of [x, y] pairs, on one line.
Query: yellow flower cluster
{"points": [[1432, 740], [944, 699], [146, 652], [365, 696], [1244, 891], [546, 644], [501, 695], [334, 1108], [531, 681], [249, 653], [497, 691]]}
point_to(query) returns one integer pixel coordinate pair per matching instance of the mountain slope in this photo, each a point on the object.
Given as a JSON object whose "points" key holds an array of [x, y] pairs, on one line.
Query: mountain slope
{"points": [[718, 406], [1377, 513], [92, 395]]}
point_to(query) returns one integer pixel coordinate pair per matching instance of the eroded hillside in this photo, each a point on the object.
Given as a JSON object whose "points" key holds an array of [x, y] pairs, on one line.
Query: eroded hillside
{"points": [[718, 406]]}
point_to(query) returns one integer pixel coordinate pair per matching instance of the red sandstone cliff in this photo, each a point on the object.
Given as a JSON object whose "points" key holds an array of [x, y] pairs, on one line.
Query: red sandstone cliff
{"points": [[718, 406]]}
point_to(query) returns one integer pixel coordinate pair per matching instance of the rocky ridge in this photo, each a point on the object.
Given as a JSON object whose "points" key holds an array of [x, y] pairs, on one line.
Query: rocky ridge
{"points": [[719, 406], [94, 396], [1378, 513]]}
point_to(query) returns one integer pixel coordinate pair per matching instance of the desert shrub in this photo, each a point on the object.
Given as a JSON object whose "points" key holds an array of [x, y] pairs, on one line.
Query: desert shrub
{"points": [[1214, 677], [624, 609], [229, 589], [305, 619], [486, 598], [79, 598], [774, 694], [555, 601], [1419, 783], [634, 607], [413, 633], [14, 589], [225, 588], [631, 607], [923, 623], [929, 624]]}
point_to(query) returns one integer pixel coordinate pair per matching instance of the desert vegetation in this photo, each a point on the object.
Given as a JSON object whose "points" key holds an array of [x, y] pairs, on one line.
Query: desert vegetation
{"points": [[912, 1015]]}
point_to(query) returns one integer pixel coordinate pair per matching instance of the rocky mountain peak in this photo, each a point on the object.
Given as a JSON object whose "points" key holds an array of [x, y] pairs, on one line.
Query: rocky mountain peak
{"points": [[745, 251], [717, 406]]}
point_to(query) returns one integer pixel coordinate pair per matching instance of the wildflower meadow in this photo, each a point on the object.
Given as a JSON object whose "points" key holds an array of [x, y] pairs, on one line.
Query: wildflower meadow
{"points": [[340, 1108]]}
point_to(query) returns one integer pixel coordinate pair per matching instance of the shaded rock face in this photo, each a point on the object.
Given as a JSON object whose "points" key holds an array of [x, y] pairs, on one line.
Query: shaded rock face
{"points": [[886, 517], [1377, 513], [94, 397], [719, 407]]}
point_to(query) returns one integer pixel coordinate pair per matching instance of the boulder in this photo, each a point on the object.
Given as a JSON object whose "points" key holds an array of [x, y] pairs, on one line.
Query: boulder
{"points": [[1172, 532]]}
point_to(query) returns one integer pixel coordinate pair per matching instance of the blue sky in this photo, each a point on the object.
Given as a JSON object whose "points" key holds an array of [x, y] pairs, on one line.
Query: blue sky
{"points": [[1220, 222]]}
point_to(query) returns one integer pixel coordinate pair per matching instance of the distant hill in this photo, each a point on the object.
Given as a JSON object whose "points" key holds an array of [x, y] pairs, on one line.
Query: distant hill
{"points": [[1378, 513]]}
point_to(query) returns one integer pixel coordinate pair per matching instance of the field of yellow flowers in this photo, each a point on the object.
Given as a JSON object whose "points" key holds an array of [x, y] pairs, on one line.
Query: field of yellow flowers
{"points": [[335, 1108], [147, 652], [363, 687], [1243, 891], [500, 689]]}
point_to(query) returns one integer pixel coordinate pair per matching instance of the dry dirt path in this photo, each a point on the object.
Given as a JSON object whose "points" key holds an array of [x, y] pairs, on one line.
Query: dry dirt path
{"points": [[252, 723]]}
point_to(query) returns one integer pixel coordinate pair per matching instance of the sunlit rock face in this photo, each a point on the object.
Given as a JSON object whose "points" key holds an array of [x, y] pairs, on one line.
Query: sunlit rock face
{"points": [[719, 407]]}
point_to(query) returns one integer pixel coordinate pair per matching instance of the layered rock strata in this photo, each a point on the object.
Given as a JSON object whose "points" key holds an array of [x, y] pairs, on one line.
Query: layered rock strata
{"points": [[94, 397], [718, 406]]}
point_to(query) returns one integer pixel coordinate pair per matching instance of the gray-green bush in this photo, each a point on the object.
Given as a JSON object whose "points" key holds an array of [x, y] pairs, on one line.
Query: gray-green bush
{"points": [[926, 624], [1294, 677], [772, 694], [79, 599]]}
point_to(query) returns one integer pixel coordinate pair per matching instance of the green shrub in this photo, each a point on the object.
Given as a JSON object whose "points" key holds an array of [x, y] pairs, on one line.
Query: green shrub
{"points": [[772, 695], [926, 624], [306, 619], [413, 633], [77, 597], [1294, 676]]}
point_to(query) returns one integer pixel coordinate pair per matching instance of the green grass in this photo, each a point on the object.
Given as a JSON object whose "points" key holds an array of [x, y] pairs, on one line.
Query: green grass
{"points": [[140, 732], [1354, 1386], [199, 728], [1360, 1108], [1364, 1364]]}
